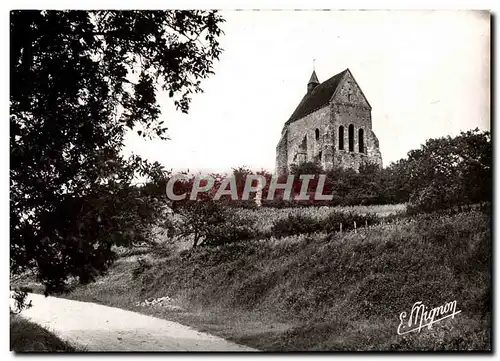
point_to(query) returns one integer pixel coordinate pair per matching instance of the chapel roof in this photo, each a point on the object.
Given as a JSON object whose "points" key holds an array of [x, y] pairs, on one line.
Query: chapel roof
{"points": [[318, 97]]}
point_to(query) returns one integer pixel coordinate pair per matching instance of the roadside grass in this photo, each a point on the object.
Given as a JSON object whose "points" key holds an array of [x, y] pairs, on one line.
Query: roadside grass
{"points": [[324, 292], [26, 336]]}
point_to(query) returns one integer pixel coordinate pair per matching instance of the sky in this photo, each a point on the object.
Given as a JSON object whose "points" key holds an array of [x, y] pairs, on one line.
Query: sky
{"points": [[426, 74]]}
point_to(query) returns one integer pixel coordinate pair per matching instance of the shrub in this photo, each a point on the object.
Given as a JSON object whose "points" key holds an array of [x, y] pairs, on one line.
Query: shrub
{"points": [[212, 224], [295, 224], [233, 228], [303, 224], [428, 199], [246, 204]]}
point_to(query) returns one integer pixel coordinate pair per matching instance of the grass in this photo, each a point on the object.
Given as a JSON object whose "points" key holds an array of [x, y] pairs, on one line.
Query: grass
{"points": [[26, 336], [265, 220], [324, 292], [266, 217]]}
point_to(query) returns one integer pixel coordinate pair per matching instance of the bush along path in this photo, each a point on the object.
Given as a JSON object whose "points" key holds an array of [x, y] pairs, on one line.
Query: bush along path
{"points": [[103, 328]]}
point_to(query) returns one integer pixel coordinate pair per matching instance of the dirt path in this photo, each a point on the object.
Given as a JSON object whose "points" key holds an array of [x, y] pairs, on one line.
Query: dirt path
{"points": [[102, 328]]}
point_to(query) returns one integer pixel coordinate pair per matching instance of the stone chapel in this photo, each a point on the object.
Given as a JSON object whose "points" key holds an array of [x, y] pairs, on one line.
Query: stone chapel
{"points": [[332, 125]]}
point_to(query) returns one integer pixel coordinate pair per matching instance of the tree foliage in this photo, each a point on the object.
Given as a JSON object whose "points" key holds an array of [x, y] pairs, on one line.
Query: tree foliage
{"points": [[211, 223], [79, 80], [445, 172], [449, 172]]}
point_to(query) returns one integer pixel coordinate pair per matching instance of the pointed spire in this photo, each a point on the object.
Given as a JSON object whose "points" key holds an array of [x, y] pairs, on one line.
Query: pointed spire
{"points": [[314, 78], [313, 82]]}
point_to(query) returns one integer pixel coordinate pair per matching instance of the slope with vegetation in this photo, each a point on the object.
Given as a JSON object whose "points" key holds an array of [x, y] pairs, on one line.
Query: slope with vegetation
{"points": [[26, 336], [323, 292]]}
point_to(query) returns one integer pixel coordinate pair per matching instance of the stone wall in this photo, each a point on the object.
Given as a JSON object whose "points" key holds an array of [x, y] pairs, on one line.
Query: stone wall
{"points": [[306, 128], [346, 159], [350, 106], [349, 92], [282, 153]]}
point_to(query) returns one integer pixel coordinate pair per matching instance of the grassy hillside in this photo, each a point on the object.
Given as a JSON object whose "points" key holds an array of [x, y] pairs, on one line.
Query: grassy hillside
{"points": [[324, 292], [26, 336]]}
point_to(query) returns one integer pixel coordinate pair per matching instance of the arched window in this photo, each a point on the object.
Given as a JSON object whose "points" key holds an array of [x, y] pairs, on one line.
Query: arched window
{"points": [[361, 141], [320, 155], [316, 133], [341, 137], [351, 138]]}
